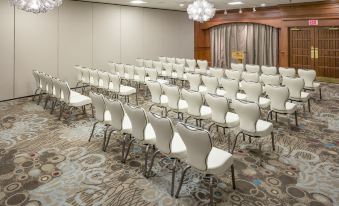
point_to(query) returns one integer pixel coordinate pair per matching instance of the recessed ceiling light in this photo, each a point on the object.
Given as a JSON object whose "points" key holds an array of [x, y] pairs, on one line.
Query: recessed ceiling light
{"points": [[263, 5], [181, 5], [235, 3], [138, 2]]}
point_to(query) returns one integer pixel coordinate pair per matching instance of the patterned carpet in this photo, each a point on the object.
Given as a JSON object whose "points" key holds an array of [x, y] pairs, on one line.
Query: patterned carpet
{"points": [[44, 161]]}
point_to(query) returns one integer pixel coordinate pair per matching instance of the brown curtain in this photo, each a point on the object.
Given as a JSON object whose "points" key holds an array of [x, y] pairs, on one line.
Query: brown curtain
{"points": [[258, 41]]}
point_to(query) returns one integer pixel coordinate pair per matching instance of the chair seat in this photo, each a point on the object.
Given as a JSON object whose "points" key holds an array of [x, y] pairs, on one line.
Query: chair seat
{"points": [[264, 102], [221, 92], [188, 69], [149, 135], [201, 71], [163, 100], [202, 89], [263, 128], [161, 81], [205, 112], [175, 76], [79, 100], [303, 97], [126, 90], [178, 148], [126, 123], [232, 120], [314, 86], [290, 108], [128, 77], [218, 161], [241, 96]]}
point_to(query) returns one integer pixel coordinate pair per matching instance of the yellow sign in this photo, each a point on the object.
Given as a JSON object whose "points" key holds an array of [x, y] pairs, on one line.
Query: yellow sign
{"points": [[239, 55]]}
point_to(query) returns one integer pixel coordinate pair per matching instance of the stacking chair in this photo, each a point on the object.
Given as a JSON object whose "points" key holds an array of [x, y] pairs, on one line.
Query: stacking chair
{"points": [[43, 84], [57, 93], [37, 79], [221, 116], [251, 124], [250, 77], [250, 68], [118, 89], [157, 98], [216, 72], [270, 79], [79, 72], [253, 91], [129, 73], [203, 157], [269, 70], [231, 88], [168, 70], [295, 87], [192, 64], [120, 123], [203, 65], [140, 62], [180, 61], [112, 66], [233, 74], [49, 89], [153, 76], [196, 109], [159, 68], [287, 72], [140, 76], [179, 73], [171, 60], [148, 63], [237, 67], [211, 83], [94, 78], [121, 70], [163, 59], [142, 132], [279, 102], [101, 114], [309, 76], [103, 80], [72, 100], [175, 103], [194, 81], [168, 143], [86, 78]]}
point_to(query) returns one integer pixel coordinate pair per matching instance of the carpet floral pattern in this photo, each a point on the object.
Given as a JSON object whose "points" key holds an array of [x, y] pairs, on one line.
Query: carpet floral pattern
{"points": [[44, 161]]}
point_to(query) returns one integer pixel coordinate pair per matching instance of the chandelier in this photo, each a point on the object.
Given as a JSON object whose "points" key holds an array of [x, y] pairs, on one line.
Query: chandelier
{"points": [[201, 10], [36, 6]]}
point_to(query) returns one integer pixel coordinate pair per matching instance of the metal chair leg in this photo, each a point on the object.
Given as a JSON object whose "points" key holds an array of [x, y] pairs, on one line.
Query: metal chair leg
{"points": [[62, 106], [92, 110], [152, 162], [128, 149], [272, 137], [173, 176], [136, 98], [211, 190], [181, 181], [309, 105], [92, 131], [46, 101], [320, 93], [296, 118], [35, 94], [235, 142], [105, 136], [146, 160], [108, 139], [233, 177], [40, 97]]}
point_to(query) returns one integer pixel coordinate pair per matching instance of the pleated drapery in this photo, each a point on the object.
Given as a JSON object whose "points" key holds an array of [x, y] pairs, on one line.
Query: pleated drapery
{"points": [[258, 41]]}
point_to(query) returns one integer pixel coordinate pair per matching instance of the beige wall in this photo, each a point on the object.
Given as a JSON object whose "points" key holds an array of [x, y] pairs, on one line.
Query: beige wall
{"points": [[89, 34]]}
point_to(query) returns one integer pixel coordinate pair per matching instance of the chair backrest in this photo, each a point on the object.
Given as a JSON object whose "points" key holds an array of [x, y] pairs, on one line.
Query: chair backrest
{"points": [[94, 76], [217, 72], [164, 132], [99, 105], [202, 64], [148, 63], [156, 91], [65, 92], [36, 78], [251, 68], [278, 95], [180, 69], [198, 145], [152, 74], [78, 69], [192, 64], [138, 118], [194, 101], [43, 81], [270, 79], [173, 94], [57, 88], [158, 66], [253, 90], [194, 81], [231, 88], [308, 76], [86, 76], [294, 85], [103, 79], [116, 110], [250, 77], [233, 74], [49, 82], [249, 114], [112, 66], [237, 67], [129, 69], [211, 84], [163, 59], [180, 61], [171, 60], [141, 72], [115, 82], [219, 107], [269, 70], [140, 62], [121, 70], [287, 72], [168, 68]]}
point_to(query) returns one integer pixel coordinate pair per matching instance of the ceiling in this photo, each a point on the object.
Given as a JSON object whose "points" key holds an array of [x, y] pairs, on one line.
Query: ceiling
{"points": [[219, 4]]}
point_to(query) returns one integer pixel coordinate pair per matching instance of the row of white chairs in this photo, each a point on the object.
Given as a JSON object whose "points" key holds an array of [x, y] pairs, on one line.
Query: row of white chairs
{"points": [[183, 143], [59, 92]]}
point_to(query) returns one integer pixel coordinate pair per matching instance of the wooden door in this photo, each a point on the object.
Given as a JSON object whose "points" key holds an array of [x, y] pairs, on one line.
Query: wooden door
{"points": [[327, 51]]}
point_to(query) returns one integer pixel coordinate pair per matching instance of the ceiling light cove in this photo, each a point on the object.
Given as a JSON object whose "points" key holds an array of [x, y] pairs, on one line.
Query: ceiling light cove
{"points": [[138, 2], [235, 3]]}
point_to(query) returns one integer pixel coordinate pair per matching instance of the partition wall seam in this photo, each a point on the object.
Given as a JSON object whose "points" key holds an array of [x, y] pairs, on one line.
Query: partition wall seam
{"points": [[120, 50], [14, 32], [58, 41], [92, 35]]}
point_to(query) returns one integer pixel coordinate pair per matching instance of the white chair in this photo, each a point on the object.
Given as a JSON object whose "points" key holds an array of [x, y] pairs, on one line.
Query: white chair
{"points": [[72, 100], [43, 84], [101, 115], [50, 90], [203, 157], [120, 123], [37, 79], [57, 93], [233, 74], [221, 116], [157, 98], [153, 76], [180, 61], [79, 72], [168, 70], [192, 64], [112, 66], [148, 63], [94, 78], [175, 103], [121, 70], [295, 87], [196, 109], [140, 62], [103, 80], [309, 77], [251, 124], [168, 143], [250, 68], [269, 70], [194, 81], [287, 72], [231, 88], [270, 79], [250, 77], [140, 76], [279, 102], [216, 72], [171, 60], [237, 67], [129, 73], [163, 59], [179, 73], [142, 132], [117, 89], [86, 78], [253, 91], [211, 83], [159, 68], [203, 65]]}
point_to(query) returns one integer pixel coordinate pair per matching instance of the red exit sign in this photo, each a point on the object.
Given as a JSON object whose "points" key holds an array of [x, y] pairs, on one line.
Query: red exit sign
{"points": [[313, 22]]}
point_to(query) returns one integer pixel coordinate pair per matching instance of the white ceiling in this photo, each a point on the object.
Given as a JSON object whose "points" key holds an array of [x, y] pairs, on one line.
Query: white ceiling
{"points": [[219, 4]]}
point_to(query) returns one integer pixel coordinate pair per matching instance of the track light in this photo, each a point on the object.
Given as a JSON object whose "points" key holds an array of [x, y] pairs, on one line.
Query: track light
{"points": [[254, 10], [240, 11], [225, 12]]}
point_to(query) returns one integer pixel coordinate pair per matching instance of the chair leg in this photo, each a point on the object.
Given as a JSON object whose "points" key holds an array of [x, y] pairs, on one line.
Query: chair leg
{"points": [[92, 110], [108, 139], [152, 162], [40, 97], [243, 137], [276, 117], [309, 105], [105, 137], [181, 181], [146, 160], [173, 176], [35, 94], [235, 142], [53, 106], [128, 149], [211, 190], [296, 118], [260, 153], [320, 93], [233, 177], [92, 131], [62, 106], [272, 137], [136, 98]]}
